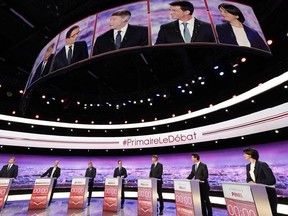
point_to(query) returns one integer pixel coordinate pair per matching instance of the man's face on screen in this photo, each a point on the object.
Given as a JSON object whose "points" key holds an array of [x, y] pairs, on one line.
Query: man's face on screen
{"points": [[194, 160], [177, 13], [73, 36], [117, 22], [11, 161]]}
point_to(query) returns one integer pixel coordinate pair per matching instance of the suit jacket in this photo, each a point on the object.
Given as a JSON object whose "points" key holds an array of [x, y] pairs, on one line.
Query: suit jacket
{"points": [[226, 35], [201, 173], [56, 174], [117, 173], [11, 173], [263, 173], [170, 33], [91, 173], [37, 75], [134, 36], [156, 172], [80, 52]]}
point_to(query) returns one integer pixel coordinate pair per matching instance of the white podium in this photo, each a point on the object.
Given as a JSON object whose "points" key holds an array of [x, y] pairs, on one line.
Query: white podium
{"points": [[246, 199], [5, 184], [112, 194], [41, 193], [147, 197], [78, 193], [187, 197]]}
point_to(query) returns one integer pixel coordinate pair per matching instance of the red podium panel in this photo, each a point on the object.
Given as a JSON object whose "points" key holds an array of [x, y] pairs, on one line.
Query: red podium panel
{"points": [[112, 194], [5, 184], [246, 199], [41, 193], [78, 193], [147, 197]]}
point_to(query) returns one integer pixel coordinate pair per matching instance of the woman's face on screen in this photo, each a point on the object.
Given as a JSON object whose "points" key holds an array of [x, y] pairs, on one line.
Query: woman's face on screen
{"points": [[228, 16]]}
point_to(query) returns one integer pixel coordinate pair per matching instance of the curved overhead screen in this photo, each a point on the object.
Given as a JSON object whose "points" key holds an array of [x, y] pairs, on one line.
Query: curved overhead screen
{"points": [[150, 24]]}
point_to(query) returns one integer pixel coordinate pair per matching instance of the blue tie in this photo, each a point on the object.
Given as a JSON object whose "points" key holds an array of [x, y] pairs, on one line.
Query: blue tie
{"points": [[187, 36], [118, 40], [69, 55]]}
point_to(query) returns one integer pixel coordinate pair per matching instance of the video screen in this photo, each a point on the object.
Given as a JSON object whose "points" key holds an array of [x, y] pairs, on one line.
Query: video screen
{"points": [[156, 22], [224, 165]]}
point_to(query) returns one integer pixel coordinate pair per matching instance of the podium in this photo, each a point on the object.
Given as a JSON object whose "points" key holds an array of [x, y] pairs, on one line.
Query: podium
{"points": [[41, 193], [187, 197], [147, 197], [112, 194], [78, 193], [5, 184], [246, 199]]}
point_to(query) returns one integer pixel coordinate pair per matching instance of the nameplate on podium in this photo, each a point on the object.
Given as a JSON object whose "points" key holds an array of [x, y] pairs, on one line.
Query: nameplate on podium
{"points": [[5, 184], [41, 193], [112, 194], [78, 193]]}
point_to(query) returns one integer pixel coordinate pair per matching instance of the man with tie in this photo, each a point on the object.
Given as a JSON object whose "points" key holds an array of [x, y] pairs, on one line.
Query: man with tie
{"points": [[91, 173], [121, 34], [10, 170], [186, 28], [44, 66], [121, 172], [73, 51], [156, 171], [199, 171], [53, 172]]}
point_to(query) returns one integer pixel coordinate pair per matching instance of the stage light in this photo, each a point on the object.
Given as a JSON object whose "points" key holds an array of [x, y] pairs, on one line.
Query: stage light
{"points": [[186, 84], [221, 73], [58, 119], [179, 87], [173, 146], [1, 146], [53, 128], [88, 150], [117, 106], [202, 83], [53, 98], [110, 122], [183, 91], [164, 95], [62, 100], [32, 126], [85, 107], [234, 71], [151, 104], [276, 131], [193, 81], [141, 101], [226, 110], [88, 131], [105, 131], [92, 122], [78, 103], [9, 123], [71, 130], [51, 149], [234, 96], [43, 96], [76, 121], [285, 87], [139, 149], [28, 148], [123, 149], [155, 119], [168, 125], [124, 104], [126, 122], [243, 59], [47, 102], [91, 105], [134, 102], [210, 105], [158, 95], [121, 131], [252, 101], [269, 42], [98, 105], [154, 128], [216, 67], [199, 78], [13, 112], [142, 120], [21, 91], [69, 149], [137, 129], [216, 141], [148, 99], [193, 144], [106, 150], [190, 92], [37, 116], [242, 138], [185, 122], [173, 115], [204, 117]]}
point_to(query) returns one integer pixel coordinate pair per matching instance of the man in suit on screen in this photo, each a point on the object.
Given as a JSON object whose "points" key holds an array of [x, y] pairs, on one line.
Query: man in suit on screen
{"points": [[91, 173], [10, 170], [156, 171], [186, 28], [53, 172], [121, 172], [199, 171], [44, 66], [73, 51], [121, 34]]}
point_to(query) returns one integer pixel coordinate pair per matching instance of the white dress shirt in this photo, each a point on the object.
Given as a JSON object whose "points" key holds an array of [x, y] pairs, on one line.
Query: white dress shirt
{"points": [[190, 26], [241, 36], [251, 172], [123, 32], [67, 49]]}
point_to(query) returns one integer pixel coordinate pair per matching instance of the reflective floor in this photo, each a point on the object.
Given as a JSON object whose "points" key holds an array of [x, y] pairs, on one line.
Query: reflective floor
{"points": [[59, 207]]}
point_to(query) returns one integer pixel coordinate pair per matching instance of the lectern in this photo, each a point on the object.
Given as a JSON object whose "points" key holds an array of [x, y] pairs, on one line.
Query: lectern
{"points": [[147, 197], [41, 193], [78, 193], [187, 197], [246, 199], [112, 194], [5, 184]]}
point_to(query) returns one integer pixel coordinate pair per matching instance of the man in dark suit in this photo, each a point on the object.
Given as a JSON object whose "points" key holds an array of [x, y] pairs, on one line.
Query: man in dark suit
{"points": [[199, 171], [10, 170], [73, 51], [156, 171], [91, 173], [44, 66], [186, 28], [260, 173], [121, 172], [121, 34], [53, 172]]}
